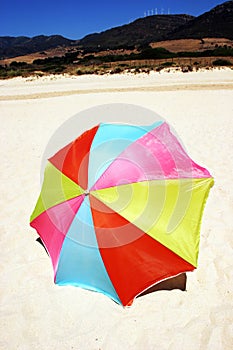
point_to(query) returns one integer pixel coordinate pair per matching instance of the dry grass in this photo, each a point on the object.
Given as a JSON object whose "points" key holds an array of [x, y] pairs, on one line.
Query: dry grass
{"points": [[192, 44]]}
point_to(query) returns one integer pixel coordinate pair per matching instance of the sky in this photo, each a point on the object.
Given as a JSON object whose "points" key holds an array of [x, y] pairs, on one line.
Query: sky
{"points": [[74, 18]]}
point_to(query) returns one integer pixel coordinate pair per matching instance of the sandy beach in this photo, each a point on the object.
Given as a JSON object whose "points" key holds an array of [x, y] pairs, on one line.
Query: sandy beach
{"points": [[35, 313]]}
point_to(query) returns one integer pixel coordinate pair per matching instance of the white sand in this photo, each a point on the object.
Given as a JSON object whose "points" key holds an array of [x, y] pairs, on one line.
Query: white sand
{"points": [[36, 314]]}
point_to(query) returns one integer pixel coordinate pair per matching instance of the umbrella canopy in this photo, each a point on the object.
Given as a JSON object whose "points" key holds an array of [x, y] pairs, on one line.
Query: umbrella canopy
{"points": [[120, 209]]}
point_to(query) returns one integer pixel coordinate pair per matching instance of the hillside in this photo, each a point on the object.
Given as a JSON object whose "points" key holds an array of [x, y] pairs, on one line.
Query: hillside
{"points": [[22, 45], [216, 23], [140, 32]]}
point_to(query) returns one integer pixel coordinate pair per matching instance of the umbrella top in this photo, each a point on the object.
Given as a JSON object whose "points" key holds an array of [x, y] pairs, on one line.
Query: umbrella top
{"points": [[118, 201]]}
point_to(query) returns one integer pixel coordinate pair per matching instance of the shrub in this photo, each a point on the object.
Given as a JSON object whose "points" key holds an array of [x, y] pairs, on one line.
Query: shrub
{"points": [[79, 72], [159, 52], [53, 69], [116, 70], [186, 69], [14, 73], [221, 62], [87, 71], [167, 64], [18, 64]]}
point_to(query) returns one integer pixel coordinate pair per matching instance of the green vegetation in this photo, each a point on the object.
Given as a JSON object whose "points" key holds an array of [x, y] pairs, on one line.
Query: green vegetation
{"points": [[15, 64], [221, 62], [167, 64], [147, 58]]}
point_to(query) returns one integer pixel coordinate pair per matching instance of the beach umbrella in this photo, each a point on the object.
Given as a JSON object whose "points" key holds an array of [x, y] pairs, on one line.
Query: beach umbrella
{"points": [[120, 209]]}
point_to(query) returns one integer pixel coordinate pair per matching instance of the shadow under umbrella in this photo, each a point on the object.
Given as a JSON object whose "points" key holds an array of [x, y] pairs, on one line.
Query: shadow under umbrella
{"points": [[39, 240], [177, 282]]}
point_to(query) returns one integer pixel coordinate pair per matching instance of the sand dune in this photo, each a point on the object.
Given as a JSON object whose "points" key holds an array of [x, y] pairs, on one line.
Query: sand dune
{"points": [[58, 86], [35, 313]]}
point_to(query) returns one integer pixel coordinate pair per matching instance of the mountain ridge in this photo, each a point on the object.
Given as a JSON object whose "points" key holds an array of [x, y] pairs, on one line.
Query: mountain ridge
{"points": [[23, 45], [139, 32], [218, 23]]}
